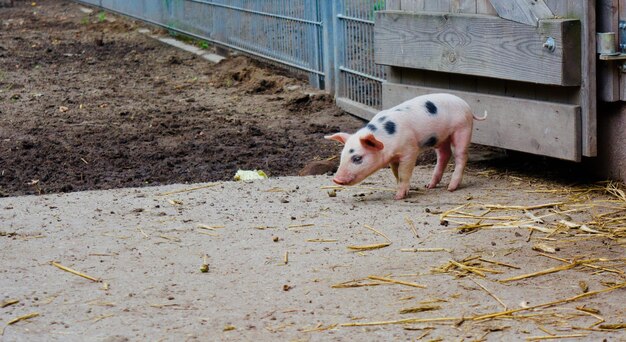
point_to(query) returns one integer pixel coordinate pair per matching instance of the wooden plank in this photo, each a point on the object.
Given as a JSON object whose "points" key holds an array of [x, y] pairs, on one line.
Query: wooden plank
{"points": [[485, 7], [437, 6], [413, 5], [586, 10], [558, 7], [479, 45], [537, 127], [608, 74], [355, 108], [523, 11], [463, 6]]}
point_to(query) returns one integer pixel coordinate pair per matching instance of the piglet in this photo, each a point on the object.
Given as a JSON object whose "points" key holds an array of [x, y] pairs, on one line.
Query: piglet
{"points": [[396, 136]]}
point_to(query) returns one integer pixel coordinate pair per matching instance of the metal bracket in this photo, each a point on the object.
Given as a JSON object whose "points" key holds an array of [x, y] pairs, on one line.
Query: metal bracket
{"points": [[622, 35], [620, 55]]}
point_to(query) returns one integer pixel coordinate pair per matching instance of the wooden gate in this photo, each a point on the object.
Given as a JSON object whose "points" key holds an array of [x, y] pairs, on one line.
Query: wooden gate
{"points": [[530, 63]]}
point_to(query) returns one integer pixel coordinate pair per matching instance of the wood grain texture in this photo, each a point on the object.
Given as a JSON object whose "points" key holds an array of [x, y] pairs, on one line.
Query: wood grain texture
{"points": [[485, 7], [527, 12], [537, 127], [586, 10], [479, 45]]}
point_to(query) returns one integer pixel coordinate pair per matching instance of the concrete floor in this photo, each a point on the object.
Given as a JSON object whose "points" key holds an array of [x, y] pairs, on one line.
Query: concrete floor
{"points": [[283, 245]]}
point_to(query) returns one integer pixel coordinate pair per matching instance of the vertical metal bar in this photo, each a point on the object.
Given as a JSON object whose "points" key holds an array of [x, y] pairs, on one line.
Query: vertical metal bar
{"points": [[339, 44], [313, 44], [328, 39]]}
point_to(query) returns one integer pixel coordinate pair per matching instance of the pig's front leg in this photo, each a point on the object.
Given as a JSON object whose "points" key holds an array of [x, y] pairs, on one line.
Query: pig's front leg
{"points": [[405, 171]]}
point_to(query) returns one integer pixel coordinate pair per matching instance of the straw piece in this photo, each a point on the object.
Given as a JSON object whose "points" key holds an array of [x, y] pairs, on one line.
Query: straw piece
{"points": [[467, 268], [377, 232], [613, 326], [555, 337], [188, 189], [421, 308], [443, 215], [566, 300], [369, 247], [520, 207], [490, 294], [204, 226], [67, 269], [541, 229], [499, 263], [473, 226], [175, 202], [8, 302], [411, 225], [353, 283], [540, 273], [400, 282], [321, 240], [426, 250], [142, 232], [401, 321], [170, 238], [533, 217], [291, 226], [320, 327], [286, 258], [23, 318]]}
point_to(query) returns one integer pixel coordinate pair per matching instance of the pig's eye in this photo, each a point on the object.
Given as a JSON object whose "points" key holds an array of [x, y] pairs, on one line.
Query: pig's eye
{"points": [[357, 159]]}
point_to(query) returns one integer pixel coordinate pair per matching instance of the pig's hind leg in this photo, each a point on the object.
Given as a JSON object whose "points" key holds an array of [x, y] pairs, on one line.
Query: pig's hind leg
{"points": [[460, 141], [443, 157]]}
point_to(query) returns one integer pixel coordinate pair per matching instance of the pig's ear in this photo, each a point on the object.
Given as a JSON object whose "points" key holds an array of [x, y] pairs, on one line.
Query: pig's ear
{"points": [[370, 142], [340, 137]]}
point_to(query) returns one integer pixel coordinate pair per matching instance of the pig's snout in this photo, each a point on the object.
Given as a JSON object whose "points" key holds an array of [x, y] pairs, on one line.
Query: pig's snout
{"points": [[339, 181], [343, 180]]}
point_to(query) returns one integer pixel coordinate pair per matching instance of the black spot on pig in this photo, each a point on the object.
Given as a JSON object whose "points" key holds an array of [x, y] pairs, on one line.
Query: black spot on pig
{"points": [[431, 108], [430, 142], [372, 127], [390, 127], [351, 151], [382, 119]]}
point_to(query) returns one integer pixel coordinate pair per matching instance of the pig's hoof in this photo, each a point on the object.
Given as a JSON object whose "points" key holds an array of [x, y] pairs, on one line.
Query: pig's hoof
{"points": [[452, 188], [430, 186], [401, 195]]}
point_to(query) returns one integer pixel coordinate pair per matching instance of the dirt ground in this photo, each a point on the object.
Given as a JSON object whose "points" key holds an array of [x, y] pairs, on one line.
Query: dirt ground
{"points": [[86, 102]]}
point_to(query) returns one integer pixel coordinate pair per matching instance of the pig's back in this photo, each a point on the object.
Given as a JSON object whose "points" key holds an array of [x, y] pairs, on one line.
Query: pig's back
{"points": [[431, 114]]}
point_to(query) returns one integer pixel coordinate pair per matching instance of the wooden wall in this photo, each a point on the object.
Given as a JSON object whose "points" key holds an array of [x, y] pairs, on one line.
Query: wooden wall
{"points": [[583, 96]]}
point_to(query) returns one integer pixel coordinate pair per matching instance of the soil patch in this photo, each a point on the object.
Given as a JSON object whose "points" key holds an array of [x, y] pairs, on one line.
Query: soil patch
{"points": [[89, 103]]}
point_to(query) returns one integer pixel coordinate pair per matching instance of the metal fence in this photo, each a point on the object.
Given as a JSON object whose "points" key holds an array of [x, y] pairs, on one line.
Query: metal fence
{"points": [[331, 41]]}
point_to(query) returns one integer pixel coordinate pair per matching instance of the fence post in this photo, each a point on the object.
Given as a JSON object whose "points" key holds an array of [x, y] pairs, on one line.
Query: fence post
{"points": [[338, 45], [313, 36], [328, 47]]}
